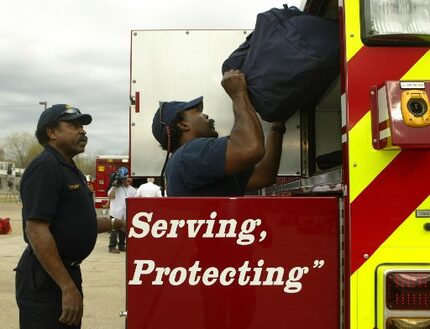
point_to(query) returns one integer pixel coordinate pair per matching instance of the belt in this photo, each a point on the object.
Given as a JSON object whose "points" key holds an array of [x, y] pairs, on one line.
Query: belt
{"points": [[68, 262]]}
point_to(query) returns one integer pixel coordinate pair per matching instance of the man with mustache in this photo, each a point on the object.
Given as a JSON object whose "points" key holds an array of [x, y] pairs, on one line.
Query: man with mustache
{"points": [[202, 164], [60, 224]]}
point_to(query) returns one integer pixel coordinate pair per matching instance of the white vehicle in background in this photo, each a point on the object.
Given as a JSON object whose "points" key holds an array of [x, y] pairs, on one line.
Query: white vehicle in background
{"points": [[7, 168]]}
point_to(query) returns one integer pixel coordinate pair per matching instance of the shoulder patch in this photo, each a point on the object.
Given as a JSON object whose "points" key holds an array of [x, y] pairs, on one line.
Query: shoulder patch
{"points": [[74, 187]]}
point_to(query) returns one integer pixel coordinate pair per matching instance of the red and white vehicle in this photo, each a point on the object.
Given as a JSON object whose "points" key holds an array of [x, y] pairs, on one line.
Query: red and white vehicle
{"points": [[343, 240], [105, 166]]}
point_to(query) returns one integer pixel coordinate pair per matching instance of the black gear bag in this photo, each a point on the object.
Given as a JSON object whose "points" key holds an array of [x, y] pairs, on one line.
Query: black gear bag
{"points": [[289, 60]]}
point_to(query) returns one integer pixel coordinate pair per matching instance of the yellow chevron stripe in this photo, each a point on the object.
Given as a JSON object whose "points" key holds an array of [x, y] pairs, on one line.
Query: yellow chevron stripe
{"points": [[353, 300], [365, 163], [408, 244], [411, 233], [352, 28], [421, 69]]}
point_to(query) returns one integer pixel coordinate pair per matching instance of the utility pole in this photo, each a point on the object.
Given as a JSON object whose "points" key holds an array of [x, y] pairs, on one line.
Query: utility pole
{"points": [[44, 103]]}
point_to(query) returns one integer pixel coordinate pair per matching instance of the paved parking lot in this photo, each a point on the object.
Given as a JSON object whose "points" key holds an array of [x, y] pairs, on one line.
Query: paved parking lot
{"points": [[103, 275]]}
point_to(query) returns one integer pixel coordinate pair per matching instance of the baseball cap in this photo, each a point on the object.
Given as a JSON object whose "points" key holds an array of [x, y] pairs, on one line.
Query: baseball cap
{"points": [[62, 112], [122, 173], [166, 114]]}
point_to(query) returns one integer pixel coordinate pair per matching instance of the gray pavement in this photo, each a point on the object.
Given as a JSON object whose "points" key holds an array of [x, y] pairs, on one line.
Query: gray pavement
{"points": [[103, 275]]}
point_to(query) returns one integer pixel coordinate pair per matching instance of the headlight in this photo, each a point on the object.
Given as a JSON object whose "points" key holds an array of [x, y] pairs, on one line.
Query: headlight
{"points": [[395, 22]]}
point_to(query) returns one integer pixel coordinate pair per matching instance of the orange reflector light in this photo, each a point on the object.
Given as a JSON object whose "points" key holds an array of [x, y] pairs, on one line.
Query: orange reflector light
{"points": [[408, 291], [408, 323]]}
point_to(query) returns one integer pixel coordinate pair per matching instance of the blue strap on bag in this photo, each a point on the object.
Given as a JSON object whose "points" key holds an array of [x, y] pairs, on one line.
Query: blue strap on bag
{"points": [[289, 60]]}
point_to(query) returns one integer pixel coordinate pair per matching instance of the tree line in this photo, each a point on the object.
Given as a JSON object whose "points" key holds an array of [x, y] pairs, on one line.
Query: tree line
{"points": [[21, 147]]}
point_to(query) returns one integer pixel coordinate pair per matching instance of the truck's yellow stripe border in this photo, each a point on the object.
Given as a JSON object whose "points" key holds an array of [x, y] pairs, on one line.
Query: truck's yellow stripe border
{"points": [[352, 28], [409, 243]]}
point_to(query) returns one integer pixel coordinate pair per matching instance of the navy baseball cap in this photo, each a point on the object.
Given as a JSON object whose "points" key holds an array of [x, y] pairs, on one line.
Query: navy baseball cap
{"points": [[62, 112], [166, 113]]}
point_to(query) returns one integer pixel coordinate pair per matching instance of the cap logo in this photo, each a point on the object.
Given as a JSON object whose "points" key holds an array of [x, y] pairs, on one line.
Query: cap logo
{"points": [[70, 110]]}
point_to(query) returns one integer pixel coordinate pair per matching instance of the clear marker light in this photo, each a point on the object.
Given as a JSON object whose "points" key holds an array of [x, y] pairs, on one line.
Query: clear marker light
{"points": [[396, 21], [408, 323]]}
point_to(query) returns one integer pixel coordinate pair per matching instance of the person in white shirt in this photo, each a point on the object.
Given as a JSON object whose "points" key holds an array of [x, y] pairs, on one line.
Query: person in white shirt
{"points": [[149, 189], [117, 195]]}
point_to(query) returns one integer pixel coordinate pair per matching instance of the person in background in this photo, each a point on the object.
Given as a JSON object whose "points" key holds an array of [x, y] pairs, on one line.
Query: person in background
{"points": [[60, 224], [202, 164], [117, 193], [90, 184], [149, 189]]}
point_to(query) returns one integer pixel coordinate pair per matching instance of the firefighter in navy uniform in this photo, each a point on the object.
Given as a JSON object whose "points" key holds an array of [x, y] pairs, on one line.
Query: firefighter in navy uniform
{"points": [[59, 222], [203, 164]]}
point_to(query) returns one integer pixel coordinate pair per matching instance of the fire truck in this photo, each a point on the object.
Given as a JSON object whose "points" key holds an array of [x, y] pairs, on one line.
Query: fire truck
{"points": [[343, 239], [106, 165]]}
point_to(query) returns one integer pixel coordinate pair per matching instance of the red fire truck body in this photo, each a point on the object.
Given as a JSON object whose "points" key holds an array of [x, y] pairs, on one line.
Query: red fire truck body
{"points": [[106, 165], [342, 240]]}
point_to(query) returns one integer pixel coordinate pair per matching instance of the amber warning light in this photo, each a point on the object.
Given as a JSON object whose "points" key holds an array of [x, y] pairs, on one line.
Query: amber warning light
{"points": [[408, 323], [408, 291]]}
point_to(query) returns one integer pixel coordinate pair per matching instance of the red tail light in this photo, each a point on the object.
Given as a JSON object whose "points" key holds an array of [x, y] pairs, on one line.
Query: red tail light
{"points": [[408, 291]]}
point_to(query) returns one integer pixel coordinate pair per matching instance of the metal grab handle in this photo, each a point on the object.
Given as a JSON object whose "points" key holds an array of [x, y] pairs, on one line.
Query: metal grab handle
{"points": [[123, 314]]}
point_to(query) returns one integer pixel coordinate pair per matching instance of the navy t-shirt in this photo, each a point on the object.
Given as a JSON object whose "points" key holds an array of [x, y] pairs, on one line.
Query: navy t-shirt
{"points": [[197, 168], [56, 191]]}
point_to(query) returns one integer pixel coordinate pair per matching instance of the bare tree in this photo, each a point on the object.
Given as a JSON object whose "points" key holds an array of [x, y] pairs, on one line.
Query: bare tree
{"points": [[86, 163], [33, 150], [21, 147]]}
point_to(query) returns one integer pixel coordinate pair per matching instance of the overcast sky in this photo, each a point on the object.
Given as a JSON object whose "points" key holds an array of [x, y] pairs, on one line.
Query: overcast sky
{"points": [[78, 52]]}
